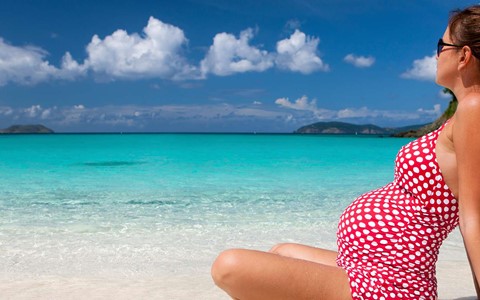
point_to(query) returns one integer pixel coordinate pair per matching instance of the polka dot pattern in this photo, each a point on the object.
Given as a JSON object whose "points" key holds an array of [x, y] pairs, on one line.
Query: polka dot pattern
{"points": [[388, 239]]}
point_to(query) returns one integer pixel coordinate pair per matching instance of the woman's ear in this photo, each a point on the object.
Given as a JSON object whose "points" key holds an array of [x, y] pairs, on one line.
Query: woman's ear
{"points": [[464, 57]]}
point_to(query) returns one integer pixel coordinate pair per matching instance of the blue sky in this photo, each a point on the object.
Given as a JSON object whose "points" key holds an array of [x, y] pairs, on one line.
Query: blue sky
{"points": [[222, 66]]}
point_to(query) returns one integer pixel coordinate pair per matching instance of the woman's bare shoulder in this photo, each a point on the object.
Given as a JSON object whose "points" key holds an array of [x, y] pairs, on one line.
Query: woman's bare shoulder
{"points": [[468, 111], [469, 102]]}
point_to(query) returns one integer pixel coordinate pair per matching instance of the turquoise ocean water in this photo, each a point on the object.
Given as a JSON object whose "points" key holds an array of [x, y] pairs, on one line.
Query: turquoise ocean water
{"points": [[149, 204]]}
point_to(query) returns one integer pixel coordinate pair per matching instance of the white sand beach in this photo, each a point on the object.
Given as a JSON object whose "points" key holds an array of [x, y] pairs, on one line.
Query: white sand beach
{"points": [[454, 282], [453, 275]]}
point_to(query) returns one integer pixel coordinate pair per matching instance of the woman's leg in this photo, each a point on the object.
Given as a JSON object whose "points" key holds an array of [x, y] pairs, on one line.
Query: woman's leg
{"points": [[318, 255], [256, 275]]}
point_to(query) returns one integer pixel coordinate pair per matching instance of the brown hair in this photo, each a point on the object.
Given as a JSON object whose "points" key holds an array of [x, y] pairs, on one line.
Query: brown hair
{"points": [[465, 28]]}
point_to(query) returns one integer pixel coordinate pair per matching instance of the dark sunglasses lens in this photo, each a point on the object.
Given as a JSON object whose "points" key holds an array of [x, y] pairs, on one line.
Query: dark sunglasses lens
{"points": [[439, 46]]}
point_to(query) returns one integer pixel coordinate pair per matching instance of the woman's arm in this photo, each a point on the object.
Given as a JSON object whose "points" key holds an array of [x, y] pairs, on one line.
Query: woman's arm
{"points": [[477, 288], [466, 139]]}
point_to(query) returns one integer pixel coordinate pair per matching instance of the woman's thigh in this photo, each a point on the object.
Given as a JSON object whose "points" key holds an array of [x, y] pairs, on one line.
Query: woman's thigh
{"points": [[252, 275]]}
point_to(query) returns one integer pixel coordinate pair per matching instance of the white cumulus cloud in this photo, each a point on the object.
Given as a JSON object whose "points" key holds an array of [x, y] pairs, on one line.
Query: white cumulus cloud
{"points": [[436, 111], [33, 111], [23, 65], [46, 113], [359, 61], [299, 54], [6, 111], [301, 103], [156, 53], [356, 113], [27, 65], [229, 55], [306, 111], [71, 69], [444, 95], [200, 117], [422, 69]]}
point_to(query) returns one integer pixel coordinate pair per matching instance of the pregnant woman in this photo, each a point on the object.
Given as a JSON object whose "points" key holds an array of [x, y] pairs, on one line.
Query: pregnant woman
{"points": [[388, 239]]}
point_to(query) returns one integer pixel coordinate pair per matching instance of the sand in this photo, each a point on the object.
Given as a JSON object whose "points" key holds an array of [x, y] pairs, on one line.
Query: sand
{"points": [[452, 285], [453, 277], [453, 273]]}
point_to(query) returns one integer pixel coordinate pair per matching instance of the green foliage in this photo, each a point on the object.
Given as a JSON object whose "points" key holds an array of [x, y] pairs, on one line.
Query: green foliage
{"points": [[452, 106]]}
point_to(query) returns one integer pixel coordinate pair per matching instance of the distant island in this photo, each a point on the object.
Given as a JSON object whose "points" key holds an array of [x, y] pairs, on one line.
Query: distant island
{"points": [[348, 128], [407, 131], [26, 129]]}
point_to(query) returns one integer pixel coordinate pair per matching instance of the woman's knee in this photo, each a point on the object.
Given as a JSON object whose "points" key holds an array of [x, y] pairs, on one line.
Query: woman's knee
{"points": [[225, 266]]}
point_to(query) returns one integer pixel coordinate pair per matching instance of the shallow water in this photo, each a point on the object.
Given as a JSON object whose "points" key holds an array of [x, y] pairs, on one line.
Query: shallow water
{"points": [[156, 205]]}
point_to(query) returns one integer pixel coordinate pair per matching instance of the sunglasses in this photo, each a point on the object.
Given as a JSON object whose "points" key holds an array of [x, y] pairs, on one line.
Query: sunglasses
{"points": [[442, 44]]}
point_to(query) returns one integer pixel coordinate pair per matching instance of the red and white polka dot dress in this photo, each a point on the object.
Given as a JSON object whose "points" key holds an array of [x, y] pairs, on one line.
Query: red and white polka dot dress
{"points": [[388, 239]]}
